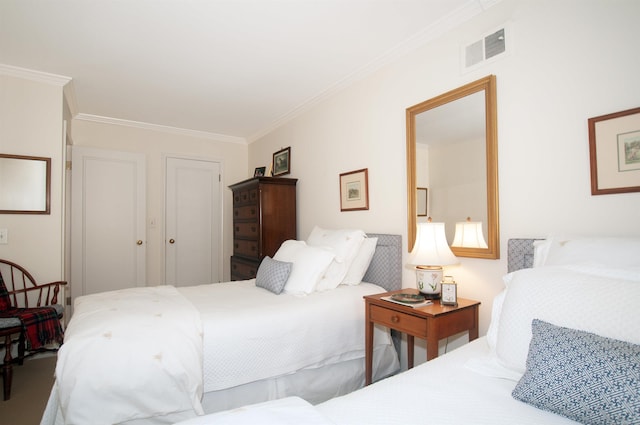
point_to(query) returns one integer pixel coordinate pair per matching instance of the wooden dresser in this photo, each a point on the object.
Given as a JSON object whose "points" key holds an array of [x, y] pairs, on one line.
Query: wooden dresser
{"points": [[264, 216]]}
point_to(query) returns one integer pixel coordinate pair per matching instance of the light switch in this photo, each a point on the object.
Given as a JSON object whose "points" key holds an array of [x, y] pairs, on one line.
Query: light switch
{"points": [[4, 236]]}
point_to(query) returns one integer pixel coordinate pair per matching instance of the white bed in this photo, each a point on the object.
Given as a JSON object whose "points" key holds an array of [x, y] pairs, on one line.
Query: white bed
{"points": [[196, 350], [563, 347]]}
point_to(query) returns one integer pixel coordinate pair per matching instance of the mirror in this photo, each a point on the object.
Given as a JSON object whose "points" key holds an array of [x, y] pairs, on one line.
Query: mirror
{"points": [[25, 184], [452, 149]]}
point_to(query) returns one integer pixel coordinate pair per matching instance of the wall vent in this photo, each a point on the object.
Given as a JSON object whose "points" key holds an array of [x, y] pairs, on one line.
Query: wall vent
{"points": [[490, 46]]}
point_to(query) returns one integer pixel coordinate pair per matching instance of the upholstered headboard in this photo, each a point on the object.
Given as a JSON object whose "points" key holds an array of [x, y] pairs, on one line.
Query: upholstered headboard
{"points": [[520, 254], [386, 266]]}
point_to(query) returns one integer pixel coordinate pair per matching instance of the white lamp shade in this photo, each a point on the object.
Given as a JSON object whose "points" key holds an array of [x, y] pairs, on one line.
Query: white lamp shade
{"points": [[431, 248], [469, 235]]}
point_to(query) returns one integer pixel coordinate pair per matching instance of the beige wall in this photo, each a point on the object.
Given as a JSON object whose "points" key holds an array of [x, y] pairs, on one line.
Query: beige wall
{"points": [[571, 60], [31, 123], [155, 144]]}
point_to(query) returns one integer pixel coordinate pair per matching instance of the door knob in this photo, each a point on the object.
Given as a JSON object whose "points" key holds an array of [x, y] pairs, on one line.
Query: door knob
{"points": [[172, 241], [139, 242]]}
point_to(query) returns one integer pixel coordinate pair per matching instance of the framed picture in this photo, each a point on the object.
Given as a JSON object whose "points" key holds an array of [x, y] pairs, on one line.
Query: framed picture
{"points": [[282, 162], [422, 201], [354, 190], [614, 150], [259, 171]]}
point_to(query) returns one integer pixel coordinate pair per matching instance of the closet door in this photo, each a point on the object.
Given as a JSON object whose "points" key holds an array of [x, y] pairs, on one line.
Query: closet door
{"points": [[108, 210], [193, 241]]}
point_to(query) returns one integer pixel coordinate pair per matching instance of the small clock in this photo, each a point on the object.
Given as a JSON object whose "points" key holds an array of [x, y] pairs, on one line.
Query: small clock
{"points": [[449, 292]]}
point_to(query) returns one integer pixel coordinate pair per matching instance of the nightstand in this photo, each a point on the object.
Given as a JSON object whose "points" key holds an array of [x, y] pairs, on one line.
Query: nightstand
{"points": [[432, 323]]}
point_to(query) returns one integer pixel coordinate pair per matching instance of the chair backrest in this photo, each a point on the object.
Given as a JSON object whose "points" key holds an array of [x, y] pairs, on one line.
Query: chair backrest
{"points": [[5, 300], [22, 289]]}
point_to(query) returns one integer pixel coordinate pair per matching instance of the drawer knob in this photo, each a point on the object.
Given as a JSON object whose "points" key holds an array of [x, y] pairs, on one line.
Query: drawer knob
{"points": [[395, 319]]}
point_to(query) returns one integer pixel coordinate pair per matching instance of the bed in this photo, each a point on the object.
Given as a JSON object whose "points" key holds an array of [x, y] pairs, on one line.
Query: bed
{"points": [[562, 347], [163, 354]]}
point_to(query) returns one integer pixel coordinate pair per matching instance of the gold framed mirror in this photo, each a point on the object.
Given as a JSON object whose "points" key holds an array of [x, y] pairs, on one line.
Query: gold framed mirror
{"points": [[452, 148], [25, 184]]}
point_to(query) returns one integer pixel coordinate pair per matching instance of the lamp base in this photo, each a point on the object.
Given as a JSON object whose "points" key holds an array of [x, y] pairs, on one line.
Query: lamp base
{"points": [[428, 279]]}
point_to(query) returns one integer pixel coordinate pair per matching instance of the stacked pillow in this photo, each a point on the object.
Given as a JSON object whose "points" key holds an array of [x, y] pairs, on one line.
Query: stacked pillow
{"points": [[607, 251], [344, 244], [582, 294], [325, 260], [309, 265]]}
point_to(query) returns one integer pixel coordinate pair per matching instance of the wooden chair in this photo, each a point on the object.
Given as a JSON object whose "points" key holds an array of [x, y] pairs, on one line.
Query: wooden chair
{"points": [[20, 295]]}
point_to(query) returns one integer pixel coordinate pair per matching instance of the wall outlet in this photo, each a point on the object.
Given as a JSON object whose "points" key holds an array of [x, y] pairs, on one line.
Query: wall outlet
{"points": [[4, 236]]}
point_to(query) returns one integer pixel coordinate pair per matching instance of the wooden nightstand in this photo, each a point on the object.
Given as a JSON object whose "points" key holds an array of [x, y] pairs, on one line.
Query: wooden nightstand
{"points": [[432, 323]]}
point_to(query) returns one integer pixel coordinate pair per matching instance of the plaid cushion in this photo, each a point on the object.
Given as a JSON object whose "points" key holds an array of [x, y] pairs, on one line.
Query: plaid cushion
{"points": [[41, 325], [5, 302]]}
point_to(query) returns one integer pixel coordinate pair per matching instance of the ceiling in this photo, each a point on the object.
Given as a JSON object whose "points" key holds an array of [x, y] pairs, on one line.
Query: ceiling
{"points": [[231, 69]]}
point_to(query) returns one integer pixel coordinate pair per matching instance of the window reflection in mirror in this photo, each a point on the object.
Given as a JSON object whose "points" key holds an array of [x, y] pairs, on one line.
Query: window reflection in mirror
{"points": [[452, 149], [24, 184]]}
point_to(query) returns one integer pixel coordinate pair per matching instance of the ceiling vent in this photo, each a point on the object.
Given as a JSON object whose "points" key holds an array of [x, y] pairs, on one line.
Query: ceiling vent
{"points": [[490, 46]]}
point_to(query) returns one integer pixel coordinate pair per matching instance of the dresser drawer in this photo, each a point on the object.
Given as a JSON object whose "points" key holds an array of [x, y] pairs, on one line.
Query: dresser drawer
{"points": [[242, 269], [247, 230], [245, 196], [398, 320], [246, 248], [249, 212]]}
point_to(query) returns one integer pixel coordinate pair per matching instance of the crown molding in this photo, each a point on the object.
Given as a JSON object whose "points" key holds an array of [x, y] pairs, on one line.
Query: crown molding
{"points": [[454, 19], [161, 128], [29, 74]]}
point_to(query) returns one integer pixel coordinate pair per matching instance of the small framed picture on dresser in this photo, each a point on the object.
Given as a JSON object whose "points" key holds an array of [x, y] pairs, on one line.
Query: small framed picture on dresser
{"points": [[282, 162], [259, 171]]}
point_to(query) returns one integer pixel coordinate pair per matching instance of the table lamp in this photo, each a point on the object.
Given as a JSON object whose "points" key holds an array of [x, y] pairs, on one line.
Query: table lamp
{"points": [[469, 235], [429, 254]]}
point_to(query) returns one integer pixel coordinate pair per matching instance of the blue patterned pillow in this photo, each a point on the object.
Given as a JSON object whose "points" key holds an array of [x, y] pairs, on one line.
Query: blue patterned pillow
{"points": [[585, 377], [273, 274]]}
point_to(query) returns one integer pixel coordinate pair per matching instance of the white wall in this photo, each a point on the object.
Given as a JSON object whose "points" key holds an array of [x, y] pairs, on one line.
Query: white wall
{"points": [[155, 144], [31, 123], [572, 60]]}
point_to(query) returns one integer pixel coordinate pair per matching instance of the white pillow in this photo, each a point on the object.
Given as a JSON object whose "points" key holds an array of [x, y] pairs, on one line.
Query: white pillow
{"points": [[309, 264], [540, 252], [611, 252], [496, 310], [361, 262], [344, 244], [563, 296]]}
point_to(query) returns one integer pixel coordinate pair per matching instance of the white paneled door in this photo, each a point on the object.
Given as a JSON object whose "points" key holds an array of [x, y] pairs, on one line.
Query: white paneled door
{"points": [[108, 214], [193, 225]]}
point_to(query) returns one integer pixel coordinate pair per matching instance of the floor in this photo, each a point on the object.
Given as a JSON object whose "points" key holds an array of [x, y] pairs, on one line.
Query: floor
{"points": [[32, 384]]}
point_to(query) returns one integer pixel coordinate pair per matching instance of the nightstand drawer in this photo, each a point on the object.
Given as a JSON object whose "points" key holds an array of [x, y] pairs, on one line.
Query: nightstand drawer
{"points": [[399, 321]]}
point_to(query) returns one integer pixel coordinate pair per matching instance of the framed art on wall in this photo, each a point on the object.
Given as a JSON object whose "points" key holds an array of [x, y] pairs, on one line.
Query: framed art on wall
{"points": [[354, 190], [614, 150], [25, 184], [282, 162], [421, 201]]}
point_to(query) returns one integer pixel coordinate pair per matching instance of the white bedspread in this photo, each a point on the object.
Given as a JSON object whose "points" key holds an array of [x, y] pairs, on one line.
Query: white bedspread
{"points": [[443, 391], [285, 411], [440, 392], [105, 360], [252, 334]]}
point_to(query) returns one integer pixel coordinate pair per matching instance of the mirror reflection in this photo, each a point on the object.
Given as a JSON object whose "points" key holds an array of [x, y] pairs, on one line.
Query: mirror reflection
{"points": [[24, 184], [451, 150]]}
